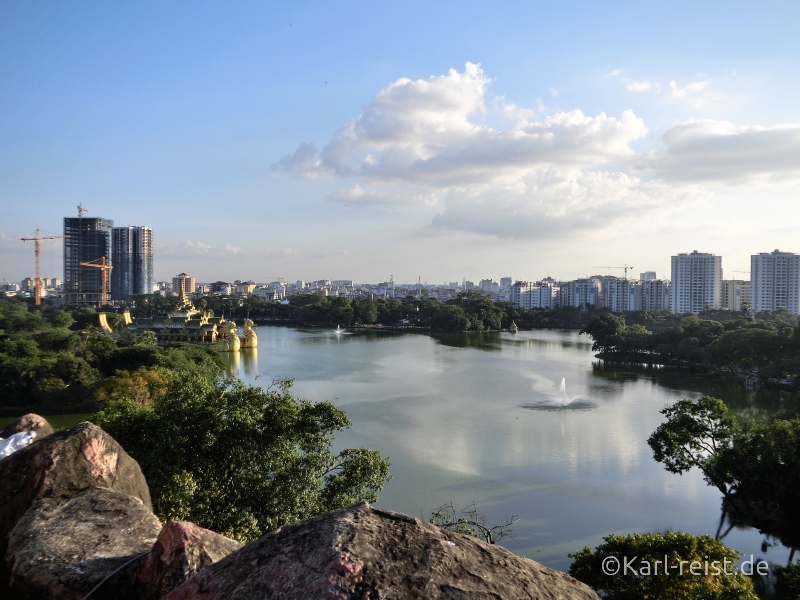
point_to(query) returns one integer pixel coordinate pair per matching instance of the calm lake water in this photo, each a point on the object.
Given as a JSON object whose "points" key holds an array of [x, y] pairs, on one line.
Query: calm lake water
{"points": [[479, 418]]}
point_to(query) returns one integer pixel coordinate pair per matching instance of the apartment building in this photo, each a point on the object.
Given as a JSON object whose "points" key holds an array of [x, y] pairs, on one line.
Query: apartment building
{"points": [[696, 282], [775, 281]]}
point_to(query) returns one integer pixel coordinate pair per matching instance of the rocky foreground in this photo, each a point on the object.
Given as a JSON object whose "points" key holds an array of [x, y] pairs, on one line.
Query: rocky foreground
{"points": [[76, 520]]}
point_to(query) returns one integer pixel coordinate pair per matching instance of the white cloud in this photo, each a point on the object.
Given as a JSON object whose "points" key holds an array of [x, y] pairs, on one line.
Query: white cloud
{"points": [[204, 248], [694, 93], [357, 195], [641, 86], [721, 152], [427, 142], [691, 88]]}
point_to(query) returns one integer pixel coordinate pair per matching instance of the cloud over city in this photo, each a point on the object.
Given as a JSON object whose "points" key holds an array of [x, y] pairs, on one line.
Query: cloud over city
{"points": [[531, 173]]}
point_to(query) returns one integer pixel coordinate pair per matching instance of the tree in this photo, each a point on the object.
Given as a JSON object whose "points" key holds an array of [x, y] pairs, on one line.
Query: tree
{"points": [[764, 468], [695, 435], [605, 331], [242, 460], [468, 521], [662, 566], [62, 319], [450, 318]]}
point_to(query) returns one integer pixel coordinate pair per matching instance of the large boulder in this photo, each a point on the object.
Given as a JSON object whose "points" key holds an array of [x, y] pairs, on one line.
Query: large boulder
{"points": [[180, 552], [62, 548], [29, 422], [364, 553], [90, 497]]}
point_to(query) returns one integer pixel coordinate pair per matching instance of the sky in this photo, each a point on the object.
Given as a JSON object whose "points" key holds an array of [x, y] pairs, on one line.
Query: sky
{"points": [[415, 140]]}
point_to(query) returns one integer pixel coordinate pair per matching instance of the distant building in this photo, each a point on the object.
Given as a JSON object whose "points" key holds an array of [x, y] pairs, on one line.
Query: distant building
{"points": [[624, 294], [86, 240], [656, 294], [647, 276], [540, 294], [183, 283], [775, 281], [696, 282], [244, 288], [132, 249], [580, 293], [734, 292]]}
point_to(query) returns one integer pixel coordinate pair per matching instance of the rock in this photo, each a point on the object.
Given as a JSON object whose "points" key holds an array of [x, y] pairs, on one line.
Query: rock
{"points": [[62, 548], [365, 554], [60, 467], [180, 552], [29, 422]]}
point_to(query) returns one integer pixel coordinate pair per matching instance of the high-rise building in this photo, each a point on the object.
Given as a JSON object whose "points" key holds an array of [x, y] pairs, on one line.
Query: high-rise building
{"points": [[86, 240], [696, 282], [656, 294], [540, 294], [183, 283], [132, 248], [775, 281], [624, 294], [580, 292]]}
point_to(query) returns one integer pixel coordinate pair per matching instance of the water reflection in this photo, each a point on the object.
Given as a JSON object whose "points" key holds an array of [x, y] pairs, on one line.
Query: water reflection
{"points": [[472, 417], [572, 406], [484, 340]]}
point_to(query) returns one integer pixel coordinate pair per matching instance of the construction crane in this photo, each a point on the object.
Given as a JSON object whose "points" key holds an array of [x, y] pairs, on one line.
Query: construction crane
{"points": [[37, 250], [100, 263], [626, 268]]}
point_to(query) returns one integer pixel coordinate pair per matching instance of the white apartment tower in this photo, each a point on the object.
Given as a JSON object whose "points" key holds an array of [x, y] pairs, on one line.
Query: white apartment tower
{"points": [[696, 282], [775, 281]]}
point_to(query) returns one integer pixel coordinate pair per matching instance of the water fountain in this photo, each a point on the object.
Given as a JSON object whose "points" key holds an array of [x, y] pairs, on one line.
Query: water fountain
{"points": [[562, 402]]}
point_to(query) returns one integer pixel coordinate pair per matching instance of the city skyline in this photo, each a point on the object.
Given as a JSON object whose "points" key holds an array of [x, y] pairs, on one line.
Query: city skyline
{"points": [[436, 142]]}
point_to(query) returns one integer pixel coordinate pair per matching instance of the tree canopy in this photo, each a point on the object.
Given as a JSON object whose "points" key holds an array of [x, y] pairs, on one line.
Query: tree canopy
{"points": [[241, 460], [633, 567]]}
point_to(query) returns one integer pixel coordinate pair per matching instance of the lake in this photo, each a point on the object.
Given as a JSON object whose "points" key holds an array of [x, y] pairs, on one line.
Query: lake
{"points": [[479, 418]]}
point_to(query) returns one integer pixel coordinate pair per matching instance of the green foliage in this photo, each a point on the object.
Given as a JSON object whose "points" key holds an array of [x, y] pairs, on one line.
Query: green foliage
{"points": [[695, 435], [754, 464], [62, 319], [649, 578], [764, 467], [788, 582], [605, 331], [242, 460], [450, 318], [15, 318]]}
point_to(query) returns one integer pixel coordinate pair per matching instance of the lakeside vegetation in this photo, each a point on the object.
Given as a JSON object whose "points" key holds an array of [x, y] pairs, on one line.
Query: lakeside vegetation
{"points": [[59, 360], [242, 460], [170, 400], [767, 350]]}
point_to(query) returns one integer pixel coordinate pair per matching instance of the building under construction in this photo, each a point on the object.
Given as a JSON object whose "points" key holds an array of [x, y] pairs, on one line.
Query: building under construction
{"points": [[86, 240]]}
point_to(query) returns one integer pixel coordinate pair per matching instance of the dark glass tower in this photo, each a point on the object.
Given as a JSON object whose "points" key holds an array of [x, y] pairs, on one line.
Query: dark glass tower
{"points": [[85, 240], [133, 261]]}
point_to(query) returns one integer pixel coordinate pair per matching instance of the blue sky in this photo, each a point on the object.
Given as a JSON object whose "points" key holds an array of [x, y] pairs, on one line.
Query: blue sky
{"points": [[434, 140]]}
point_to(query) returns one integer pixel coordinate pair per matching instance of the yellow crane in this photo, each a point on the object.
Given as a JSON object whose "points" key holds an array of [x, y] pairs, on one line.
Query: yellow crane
{"points": [[100, 263], [37, 250]]}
